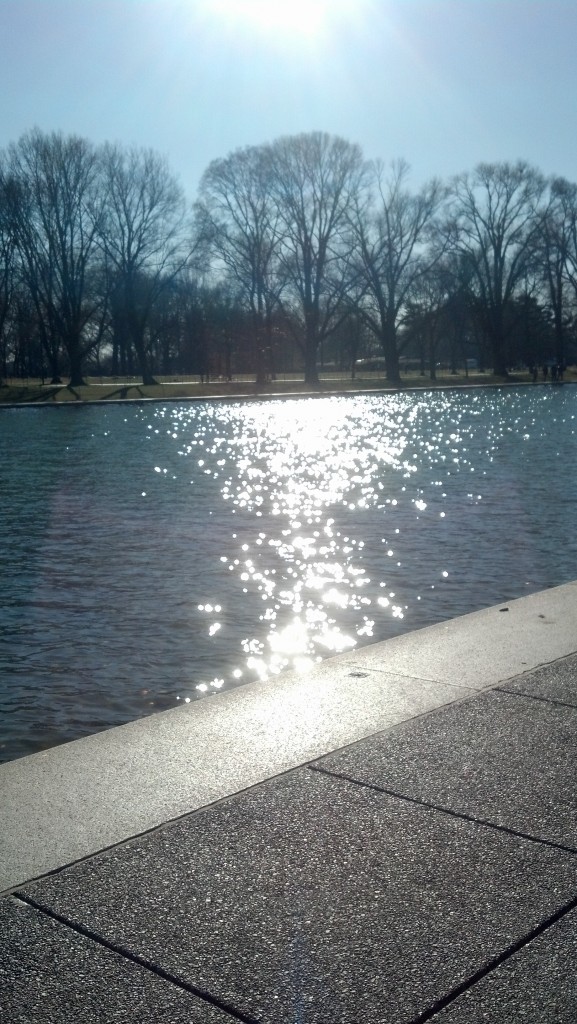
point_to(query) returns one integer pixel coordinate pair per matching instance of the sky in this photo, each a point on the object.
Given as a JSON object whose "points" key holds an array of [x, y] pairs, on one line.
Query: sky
{"points": [[443, 84]]}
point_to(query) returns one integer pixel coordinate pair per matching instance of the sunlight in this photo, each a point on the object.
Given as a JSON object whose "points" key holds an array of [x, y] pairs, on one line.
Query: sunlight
{"points": [[299, 19]]}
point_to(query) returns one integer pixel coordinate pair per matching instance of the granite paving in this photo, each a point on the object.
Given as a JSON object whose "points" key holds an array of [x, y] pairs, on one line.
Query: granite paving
{"points": [[313, 899], [62, 804], [50, 974], [500, 757], [556, 682], [537, 985]]}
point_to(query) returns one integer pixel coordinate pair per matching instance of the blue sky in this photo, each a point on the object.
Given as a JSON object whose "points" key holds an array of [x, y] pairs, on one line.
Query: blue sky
{"points": [[441, 83]]}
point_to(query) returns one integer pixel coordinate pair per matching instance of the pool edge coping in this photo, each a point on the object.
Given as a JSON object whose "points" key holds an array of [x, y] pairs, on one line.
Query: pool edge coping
{"points": [[74, 800]]}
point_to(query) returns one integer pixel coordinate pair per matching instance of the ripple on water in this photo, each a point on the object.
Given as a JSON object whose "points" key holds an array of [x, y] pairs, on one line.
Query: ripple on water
{"points": [[156, 554]]}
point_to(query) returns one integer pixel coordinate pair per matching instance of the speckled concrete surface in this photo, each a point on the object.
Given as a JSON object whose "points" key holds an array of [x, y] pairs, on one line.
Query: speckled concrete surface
{"points": [[50, 974], [489, 646], [312, 899], [503, 758], [556, 682], [537, 985], [69, 802]]}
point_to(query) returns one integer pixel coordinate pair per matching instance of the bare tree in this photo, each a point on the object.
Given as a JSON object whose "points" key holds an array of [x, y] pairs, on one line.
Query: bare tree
{"points": [[495, 227], [428, 311], [8, 263], [237, 220], [393, 231], [55, 212], [558, 250], [315, 180], [144, 238]]}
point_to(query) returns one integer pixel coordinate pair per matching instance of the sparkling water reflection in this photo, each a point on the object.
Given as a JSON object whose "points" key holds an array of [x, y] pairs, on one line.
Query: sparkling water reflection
{"points": [[153, 554]]}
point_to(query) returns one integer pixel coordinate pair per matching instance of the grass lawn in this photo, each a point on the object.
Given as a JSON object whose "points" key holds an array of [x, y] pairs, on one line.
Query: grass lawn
{"points": [[124, 389]]}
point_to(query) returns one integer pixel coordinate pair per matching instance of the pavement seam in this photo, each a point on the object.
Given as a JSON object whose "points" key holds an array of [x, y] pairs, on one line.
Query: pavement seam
{"points": [[535, 696], [135, 958], [514, 947], [444, 810], [497, 961], [12, 890]]}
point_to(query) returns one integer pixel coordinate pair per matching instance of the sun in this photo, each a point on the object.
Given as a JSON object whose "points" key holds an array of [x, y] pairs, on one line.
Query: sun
{"points": [[300, 19]]}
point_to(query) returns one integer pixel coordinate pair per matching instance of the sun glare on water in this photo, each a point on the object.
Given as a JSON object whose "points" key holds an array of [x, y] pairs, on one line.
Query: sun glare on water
{"points": [[299, 19]]}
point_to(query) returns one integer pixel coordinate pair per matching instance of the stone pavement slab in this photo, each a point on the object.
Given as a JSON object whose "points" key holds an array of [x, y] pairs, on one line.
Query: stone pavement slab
{"points": [[312, 899], [498, 757], [66, 803], [552, 682], [537, 985], [50, 974]]}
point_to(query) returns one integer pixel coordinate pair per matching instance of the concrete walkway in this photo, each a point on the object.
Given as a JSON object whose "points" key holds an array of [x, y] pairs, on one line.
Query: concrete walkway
{"points": [[393, 839]]}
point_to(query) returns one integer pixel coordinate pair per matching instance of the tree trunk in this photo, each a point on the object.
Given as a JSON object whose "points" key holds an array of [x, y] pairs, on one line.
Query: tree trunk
{"points": [[75, 360], [142, 356], [311, 374], [260, 352], [148, 377], [432, 359], [499, 355], [52, 354], [498, 337], [391, 354], [559, 339]]}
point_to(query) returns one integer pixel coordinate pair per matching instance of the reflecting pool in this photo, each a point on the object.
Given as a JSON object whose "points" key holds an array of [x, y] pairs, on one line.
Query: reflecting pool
{"points": [[153, 554]]}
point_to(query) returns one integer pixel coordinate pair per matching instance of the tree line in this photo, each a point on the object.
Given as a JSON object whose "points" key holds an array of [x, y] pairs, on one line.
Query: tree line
{"points": [[294, 255]]}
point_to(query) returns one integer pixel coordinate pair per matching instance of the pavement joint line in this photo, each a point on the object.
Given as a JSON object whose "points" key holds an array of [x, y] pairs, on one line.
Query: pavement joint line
{"points": [[135, 958], [13, 891], [445, 810], [52, 872], [536, 696], [497, 961], [538, 665]]}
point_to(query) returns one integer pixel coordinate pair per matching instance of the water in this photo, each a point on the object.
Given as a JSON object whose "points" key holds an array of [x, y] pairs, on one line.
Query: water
{"points": [[151, 554]]}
